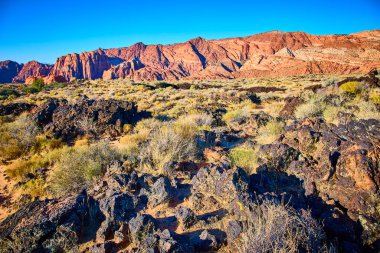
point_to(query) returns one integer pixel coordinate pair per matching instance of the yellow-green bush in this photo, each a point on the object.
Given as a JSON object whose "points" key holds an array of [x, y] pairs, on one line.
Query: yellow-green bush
{"points": [[244, 156], [374, 97], [350, 87], [19, 169], [35, 188]]}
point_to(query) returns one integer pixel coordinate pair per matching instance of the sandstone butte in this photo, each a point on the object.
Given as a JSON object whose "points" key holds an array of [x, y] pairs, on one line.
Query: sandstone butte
{"points": [[270, 54]]}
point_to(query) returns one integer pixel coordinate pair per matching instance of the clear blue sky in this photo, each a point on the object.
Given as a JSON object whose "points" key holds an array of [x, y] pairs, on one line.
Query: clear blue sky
{"points": [[42, 30]]}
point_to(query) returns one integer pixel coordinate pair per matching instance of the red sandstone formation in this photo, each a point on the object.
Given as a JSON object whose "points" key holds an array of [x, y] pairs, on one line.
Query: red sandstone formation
{"points": [[32, 69], [267, 54]]}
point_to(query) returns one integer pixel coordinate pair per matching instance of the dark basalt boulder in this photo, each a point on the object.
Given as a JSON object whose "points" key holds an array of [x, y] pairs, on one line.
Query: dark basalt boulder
{"points": [[161, 192], [338, 164], [50, 225], [224, 186], [15, 108], [141, 227], [93, 117], [186, 217]]}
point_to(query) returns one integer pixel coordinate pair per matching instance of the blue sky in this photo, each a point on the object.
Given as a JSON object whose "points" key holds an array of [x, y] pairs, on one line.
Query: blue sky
{"points": [[42, 30]]}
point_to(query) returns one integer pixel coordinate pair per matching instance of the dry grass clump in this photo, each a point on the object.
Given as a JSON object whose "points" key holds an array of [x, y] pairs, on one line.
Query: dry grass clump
{"points": [[169, 143], [330, 114], [270, 132], [244, 156], [78, 168], [314, 107], [279, 228], [18, 137], [232, 115], [367, 110]]}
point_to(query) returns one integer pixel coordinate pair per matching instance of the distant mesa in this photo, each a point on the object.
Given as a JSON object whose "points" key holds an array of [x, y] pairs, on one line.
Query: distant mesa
{"points": [[270, 54]]}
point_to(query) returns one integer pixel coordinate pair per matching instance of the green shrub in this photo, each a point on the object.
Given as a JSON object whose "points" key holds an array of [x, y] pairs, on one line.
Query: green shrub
{"points": [[244, 156], [35, 87], [78, 168], [279, 228], [8, 93]]}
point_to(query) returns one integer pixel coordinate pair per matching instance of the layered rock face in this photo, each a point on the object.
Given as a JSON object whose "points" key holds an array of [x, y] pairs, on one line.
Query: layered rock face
{"points": [[267, 54], [87, 65], [8, 70], [32, 69]]}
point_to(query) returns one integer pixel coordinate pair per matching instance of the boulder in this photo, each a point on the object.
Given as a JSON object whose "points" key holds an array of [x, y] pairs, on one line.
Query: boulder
{"points": [[140, 227], [225, 186], [186, 217], [161, 192], [56, 225], [93, 117]]}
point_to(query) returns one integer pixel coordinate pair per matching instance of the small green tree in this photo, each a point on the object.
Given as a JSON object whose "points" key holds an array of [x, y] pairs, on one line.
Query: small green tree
{"points": [[38, 83]]}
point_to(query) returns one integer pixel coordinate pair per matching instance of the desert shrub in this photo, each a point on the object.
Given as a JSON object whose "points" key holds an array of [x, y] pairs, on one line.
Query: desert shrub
{"points": [[18, 137], [232, 115], [270, 132], [312, 108], [279, 228], [199, 119], [330, 114], [35, 87], [47, 144], [78, 168], [374, 97], [352, 88], [367, 110], [169, 143], [127, 128], [35, 188], [8, 93], [244, 156], [147, 125], [20, 169]]}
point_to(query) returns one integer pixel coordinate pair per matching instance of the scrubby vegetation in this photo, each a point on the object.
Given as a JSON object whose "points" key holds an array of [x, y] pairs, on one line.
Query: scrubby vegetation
{"points": [[77, 168], [279, 228], [204, 152]]}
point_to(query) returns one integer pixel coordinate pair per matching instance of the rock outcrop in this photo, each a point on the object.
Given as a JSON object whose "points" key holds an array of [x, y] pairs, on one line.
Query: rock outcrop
{"points": [[94, 117], [87, 65], [339, 165], [8, 70], [32, 69]]}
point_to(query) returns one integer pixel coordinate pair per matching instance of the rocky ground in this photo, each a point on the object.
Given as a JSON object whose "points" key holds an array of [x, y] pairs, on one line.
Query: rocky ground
{"points": [[264, 165]]}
